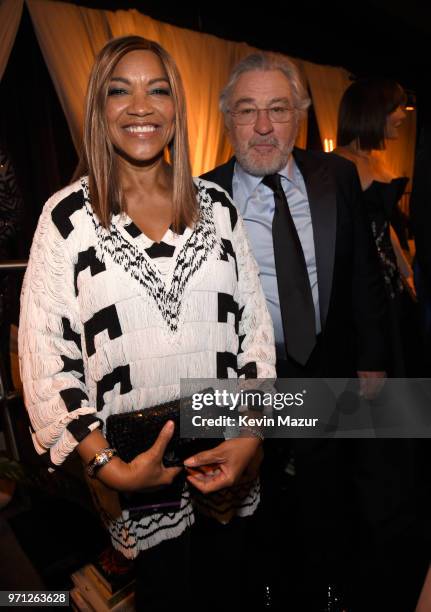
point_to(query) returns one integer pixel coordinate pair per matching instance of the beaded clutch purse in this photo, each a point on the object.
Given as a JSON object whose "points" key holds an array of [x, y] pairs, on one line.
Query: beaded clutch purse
{"points": [[132, 433]]}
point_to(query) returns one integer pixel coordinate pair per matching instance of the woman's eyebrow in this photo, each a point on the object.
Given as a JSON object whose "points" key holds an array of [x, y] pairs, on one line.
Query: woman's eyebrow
{"points": [[122, 79], [151, 82], [165, 79]]}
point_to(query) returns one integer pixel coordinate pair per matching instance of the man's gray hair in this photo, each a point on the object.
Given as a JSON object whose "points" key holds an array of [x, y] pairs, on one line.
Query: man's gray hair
{"points": [[265, 60]]}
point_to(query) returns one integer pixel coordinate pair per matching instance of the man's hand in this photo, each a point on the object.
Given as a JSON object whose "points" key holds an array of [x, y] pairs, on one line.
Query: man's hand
{"points": [[223, 465]]}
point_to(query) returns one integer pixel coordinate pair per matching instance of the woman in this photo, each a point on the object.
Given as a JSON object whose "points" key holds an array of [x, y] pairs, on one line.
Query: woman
{"points": [[371, 112], [133, 272]]}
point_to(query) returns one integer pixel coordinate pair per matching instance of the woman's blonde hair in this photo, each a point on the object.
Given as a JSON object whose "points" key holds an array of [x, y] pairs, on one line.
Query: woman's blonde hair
{"points": [[98, 158]]}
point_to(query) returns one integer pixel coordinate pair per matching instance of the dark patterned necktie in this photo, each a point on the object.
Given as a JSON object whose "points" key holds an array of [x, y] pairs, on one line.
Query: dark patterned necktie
{"points": [[296, 300]]}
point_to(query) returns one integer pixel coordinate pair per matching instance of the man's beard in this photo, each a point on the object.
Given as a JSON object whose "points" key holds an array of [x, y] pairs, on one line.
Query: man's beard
{"points": [[256, 165]]}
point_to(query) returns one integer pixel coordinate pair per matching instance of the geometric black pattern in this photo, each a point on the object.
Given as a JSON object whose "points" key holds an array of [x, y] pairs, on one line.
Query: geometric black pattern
{"points": [[121, 375], [248, 371], [69, 334], [132, 229], [73, 365], [240, 338], [240, 341], [225, 360], [227, 249], [107, 318], [190, 258], [80, 428], [160, 249], [229, 360], [64, 210], [220, 196], [227, 304], [73, 398], [88, 259]]}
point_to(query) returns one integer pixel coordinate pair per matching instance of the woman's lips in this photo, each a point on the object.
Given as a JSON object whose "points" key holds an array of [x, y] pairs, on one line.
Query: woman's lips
{"points": [[141, 130]]}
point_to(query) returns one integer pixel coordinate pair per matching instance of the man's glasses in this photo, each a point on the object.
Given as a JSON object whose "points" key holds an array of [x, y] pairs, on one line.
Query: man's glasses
{"points": [[249, 114]]}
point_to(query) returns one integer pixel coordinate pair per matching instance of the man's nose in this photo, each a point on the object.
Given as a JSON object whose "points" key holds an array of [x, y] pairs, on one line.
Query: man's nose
{"points": [[263, 124]]}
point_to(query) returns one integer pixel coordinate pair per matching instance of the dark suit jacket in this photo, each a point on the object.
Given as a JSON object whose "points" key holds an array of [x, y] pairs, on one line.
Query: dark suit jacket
{"points": [[351, 294]]}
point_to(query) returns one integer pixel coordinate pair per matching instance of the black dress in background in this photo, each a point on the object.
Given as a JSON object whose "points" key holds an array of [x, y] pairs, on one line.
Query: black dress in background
{"points": [[388, 492], [404, 358]]}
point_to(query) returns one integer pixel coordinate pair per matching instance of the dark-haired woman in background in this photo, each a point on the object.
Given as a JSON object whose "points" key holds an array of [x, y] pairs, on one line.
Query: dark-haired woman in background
{"points": [[371, 112]]}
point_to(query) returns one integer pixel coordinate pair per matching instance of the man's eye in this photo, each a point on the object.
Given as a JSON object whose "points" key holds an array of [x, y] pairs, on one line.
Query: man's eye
{"points": [[279, 110], [246, 111], [160, 91], [116, 91]]}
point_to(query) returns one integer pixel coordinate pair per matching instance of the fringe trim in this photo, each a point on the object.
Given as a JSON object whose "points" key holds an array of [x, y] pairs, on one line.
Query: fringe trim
{"points": [[198, 247]]}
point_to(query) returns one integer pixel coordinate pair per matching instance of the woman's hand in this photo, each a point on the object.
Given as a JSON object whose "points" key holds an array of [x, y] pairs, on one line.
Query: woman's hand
{"points": [[223, 465], [145, 471]]}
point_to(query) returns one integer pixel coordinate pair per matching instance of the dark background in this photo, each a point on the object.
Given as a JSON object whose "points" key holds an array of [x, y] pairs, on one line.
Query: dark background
{"points": [[368, 38]]}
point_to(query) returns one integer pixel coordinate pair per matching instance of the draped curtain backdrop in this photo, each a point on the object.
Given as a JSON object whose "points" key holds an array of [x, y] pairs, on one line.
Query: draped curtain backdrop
{"points": [[327, 85], [203, 60], [70, 37], [10, 16]]}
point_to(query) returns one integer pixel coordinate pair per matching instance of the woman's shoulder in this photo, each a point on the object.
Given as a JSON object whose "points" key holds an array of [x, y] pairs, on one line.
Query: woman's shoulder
{"points": [[388, 190], [369, 166], [71, 197], [61, 211], [220, 200]]}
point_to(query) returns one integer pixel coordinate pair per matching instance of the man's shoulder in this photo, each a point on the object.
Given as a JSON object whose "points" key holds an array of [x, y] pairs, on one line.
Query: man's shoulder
{"points": [[222, 175]]}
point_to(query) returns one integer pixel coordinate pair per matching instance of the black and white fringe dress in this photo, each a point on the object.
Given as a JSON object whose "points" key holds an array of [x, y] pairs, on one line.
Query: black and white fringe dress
{"points": [[111, 321]]}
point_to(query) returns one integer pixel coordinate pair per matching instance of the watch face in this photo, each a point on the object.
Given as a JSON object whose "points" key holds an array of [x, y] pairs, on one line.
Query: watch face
{"points": [[100, 459]]}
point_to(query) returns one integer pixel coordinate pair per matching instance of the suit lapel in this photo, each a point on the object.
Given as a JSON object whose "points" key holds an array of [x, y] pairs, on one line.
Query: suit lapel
{"points": [[222, 175], [321, 193]]}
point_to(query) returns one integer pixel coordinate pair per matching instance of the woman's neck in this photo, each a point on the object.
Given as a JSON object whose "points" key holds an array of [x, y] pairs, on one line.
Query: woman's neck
{"points": [[354, 149], [146, 177]]}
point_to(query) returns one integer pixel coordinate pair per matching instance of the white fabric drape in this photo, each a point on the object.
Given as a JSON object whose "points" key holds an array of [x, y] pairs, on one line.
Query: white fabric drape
{"points": [[327, 85], [69, 37], [10, 16], [203, 60]]}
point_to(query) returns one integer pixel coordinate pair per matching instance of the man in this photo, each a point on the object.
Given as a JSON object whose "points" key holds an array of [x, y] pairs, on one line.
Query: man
{"points": [[263, 104], [323, 287]]}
